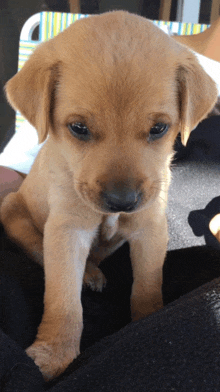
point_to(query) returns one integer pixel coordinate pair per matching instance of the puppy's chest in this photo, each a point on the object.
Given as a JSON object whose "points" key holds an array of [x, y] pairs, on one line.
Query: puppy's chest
{"points": [[108, 239], [109, 227], [111, 236], [115, 225]]}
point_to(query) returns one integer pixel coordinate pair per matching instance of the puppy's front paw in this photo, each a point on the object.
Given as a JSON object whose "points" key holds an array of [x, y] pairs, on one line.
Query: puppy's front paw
{"points": [[51, 360], [93, 277]]}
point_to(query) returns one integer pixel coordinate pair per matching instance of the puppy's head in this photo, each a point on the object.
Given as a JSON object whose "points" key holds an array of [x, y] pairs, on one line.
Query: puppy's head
{"points": [[113, 91]]}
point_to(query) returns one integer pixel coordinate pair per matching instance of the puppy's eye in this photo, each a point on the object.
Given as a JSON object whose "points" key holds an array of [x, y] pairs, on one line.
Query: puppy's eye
{"points": [[80, 131], [158, 130]]}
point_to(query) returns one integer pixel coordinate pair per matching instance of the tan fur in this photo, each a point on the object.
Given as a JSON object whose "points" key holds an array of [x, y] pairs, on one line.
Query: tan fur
{"points": [[119, 75]]}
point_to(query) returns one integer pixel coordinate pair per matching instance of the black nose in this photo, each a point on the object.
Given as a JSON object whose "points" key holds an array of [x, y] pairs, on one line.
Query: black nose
{"points": [[121, 199]]}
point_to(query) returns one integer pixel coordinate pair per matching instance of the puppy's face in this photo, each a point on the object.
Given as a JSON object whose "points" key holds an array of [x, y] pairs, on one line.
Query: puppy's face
{"points": [[117, 134], [113, 91]]}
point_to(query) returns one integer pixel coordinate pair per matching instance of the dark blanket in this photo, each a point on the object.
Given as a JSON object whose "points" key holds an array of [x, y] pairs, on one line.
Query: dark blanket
{"points": [[175, 349]]}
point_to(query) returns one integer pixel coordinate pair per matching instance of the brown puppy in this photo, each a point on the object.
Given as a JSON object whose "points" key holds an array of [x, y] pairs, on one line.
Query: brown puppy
{"points": [[112, 92]]}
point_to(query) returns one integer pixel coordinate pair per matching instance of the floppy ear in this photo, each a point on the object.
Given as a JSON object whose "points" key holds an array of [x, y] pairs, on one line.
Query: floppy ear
{"points": [[197, 95], [32, 89]]}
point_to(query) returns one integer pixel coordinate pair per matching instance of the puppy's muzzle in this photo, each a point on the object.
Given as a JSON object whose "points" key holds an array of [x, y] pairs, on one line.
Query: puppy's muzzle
{"points": [[118, 198]]}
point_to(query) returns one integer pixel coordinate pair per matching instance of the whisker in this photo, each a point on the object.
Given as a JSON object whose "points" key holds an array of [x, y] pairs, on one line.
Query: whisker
{"points": [[161, 190], [159, 195], [162, 199]]}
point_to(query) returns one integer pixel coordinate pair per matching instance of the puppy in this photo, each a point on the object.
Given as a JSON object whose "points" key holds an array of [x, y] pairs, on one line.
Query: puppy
{"points": [[109, 95]]}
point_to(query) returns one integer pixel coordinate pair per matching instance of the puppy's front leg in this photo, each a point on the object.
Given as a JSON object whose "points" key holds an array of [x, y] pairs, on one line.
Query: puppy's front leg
{"points": [[148, 252], [65, 252]]}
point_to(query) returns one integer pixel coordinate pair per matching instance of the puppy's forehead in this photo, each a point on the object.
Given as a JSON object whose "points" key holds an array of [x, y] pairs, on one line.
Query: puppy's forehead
{"points": [[112, 39], [117, 30], [117, 59]]}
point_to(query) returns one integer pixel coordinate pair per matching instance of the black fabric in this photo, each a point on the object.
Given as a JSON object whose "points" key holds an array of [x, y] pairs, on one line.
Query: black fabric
{"points": [[175, 349], [7, 138]]}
